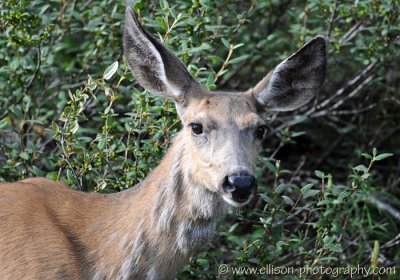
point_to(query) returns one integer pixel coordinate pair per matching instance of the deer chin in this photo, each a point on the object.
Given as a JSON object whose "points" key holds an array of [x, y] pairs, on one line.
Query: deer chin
{"points": [[236, 202]]}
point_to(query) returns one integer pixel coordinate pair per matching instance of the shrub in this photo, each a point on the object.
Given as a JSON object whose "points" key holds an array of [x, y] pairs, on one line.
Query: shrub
{"points": [[70, 110]]}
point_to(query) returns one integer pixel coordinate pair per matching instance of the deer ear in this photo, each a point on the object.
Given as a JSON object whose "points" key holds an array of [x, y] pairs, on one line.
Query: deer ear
{"points": [[155, 67], [296, 80]]}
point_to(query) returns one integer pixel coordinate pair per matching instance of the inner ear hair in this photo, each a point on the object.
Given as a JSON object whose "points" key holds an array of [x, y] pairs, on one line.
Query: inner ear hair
{"points": [[296, 80], [155, 67]]}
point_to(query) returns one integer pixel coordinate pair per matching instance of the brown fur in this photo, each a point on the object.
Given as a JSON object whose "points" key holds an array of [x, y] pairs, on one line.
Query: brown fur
{"points": [[49, 231], [57, 233]]}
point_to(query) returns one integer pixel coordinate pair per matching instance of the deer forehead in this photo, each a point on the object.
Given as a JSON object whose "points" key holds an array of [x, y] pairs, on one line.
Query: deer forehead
{"points": [[223, 109]]}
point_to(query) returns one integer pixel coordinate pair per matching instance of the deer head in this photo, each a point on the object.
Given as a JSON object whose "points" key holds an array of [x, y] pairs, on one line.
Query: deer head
{"points": [[223, 131]]}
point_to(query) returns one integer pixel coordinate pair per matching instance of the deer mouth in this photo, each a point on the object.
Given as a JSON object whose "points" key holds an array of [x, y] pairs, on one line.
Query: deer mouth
{"points": [[237, 200], [237, 197], [239, 188]]}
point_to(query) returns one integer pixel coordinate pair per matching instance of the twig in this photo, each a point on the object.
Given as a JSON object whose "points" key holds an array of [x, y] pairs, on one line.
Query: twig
{"points": [[351, 33], [329, 151], [38, 63], [66, 156], [298, 169], [344, 99], [355, 111], [305, 20], [339, 92], [372, 200], [87, 3], [354, 92], [331, 20], [392, 242], [281, 144], [219, 73], [389, 135]]}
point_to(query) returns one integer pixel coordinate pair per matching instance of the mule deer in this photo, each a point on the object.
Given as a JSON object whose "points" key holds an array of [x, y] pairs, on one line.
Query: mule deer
{"points": [[48, 231]]}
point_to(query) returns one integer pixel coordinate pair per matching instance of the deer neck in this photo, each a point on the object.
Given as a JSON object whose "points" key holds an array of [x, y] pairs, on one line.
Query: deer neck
{"points": [[163, 220]]}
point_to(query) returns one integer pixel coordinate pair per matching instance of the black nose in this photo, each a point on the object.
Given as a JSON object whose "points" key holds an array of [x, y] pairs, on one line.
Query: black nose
{"points": [[241, 185]]}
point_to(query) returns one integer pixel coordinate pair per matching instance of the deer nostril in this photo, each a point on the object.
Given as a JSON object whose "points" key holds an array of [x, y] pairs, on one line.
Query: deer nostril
{"points": [[240, 186], [228, 187], [242, 182]]}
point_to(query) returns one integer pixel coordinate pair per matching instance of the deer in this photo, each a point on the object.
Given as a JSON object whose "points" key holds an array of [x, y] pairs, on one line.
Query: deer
{"points": [[49, 231]]}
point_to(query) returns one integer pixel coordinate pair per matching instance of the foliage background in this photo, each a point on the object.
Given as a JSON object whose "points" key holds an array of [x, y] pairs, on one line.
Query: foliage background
{"points": [[326, 196]]}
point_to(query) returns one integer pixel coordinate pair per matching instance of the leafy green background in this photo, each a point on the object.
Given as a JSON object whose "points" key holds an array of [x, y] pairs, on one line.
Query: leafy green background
{"points": [[329, 172]]}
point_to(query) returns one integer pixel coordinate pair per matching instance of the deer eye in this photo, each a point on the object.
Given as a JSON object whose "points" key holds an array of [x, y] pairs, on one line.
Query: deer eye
{"points": [[260, 132], [197, 129]]}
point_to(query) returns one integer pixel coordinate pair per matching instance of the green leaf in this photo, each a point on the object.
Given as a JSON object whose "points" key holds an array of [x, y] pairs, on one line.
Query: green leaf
{"points": [[311, 193], [375, 254], [110, 71], [319, 174], [164, 4], [306, 188], [337, 201], [383, 156], [324, 202], [335, 248], [52, 175], [24, 155], [281, 188], [254, 260], [74, 128], [91, 84], [238, 46], [54, 126], [361, 168], [284, 171], [344, 194], [288, 200], [270, 166], [267, 199], [238, 59], [226, 43], [233, 227], [297, 134], [367, 156], [210, 81], [266, 221], [70, 175]]}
